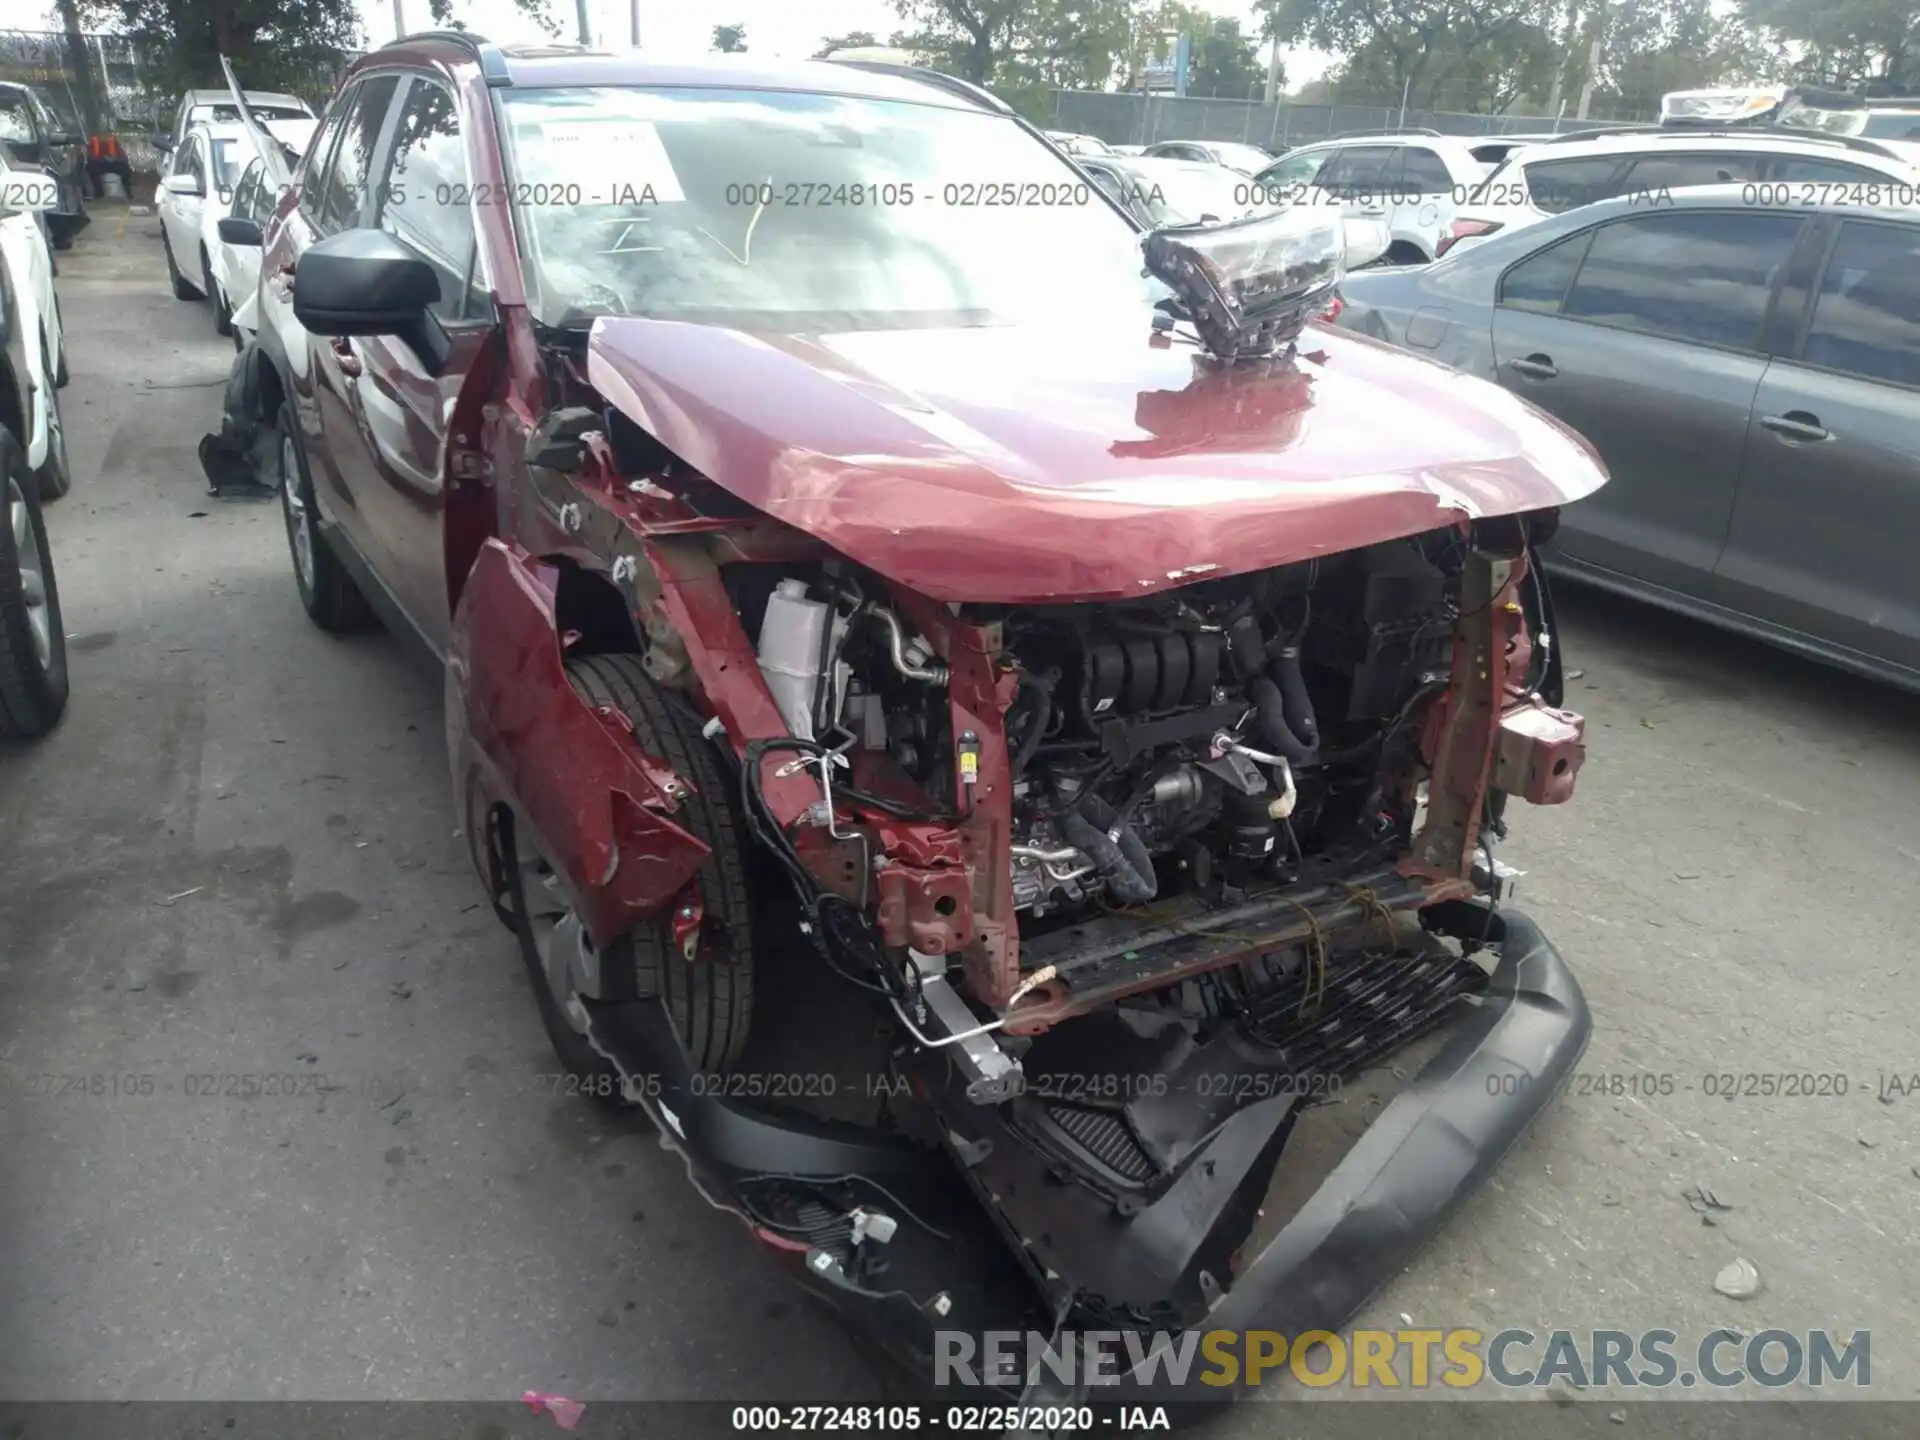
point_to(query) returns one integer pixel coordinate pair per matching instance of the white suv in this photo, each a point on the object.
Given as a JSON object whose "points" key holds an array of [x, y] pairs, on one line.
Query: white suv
{"points": [[1549, 178], [1412, 181]]}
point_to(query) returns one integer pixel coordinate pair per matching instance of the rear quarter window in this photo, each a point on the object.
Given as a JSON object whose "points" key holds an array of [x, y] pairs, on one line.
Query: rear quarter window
{"points": [[1559, 185]]}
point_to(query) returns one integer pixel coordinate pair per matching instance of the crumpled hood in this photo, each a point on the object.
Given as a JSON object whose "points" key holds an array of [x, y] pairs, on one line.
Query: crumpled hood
{"points": [[1016, 465]]}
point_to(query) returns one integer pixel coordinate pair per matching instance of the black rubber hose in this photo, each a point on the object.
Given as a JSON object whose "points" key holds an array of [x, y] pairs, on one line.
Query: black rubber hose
{"points": [[1296, 706], [1037, 729], [1271, 706], [1092, 826]]}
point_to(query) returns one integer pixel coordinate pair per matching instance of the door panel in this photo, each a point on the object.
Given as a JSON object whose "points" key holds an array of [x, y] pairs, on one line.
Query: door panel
{"points": [[400, 403], [336, 199], [1823, 535], [1641, 355]]}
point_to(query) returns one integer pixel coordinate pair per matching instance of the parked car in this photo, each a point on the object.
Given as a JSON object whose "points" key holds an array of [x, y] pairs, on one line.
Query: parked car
{"points": [[209, 169], [1563, 174], [39, 368], [217, 107], [1411, 181], [33, 645], [33, 135], [1247, 159], [962, 607], [1179, 192], [1076, 144], [1749, 371]]}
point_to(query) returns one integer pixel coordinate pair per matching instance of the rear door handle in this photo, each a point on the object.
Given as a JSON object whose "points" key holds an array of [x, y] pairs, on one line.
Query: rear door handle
{"points": [[350, 365], [1797, 426], [1537, 367]]}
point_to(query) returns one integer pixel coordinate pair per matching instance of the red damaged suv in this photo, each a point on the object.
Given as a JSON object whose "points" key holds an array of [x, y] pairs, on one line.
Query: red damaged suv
{"points": [[855, 548]]}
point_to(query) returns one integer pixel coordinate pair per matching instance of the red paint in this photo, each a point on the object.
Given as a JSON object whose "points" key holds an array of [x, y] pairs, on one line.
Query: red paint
{"points": [[972, 464], [598, 806]]}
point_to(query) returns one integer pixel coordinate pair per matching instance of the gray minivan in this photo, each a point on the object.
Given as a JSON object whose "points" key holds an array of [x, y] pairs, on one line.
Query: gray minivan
{"points": [[1747, 365]]}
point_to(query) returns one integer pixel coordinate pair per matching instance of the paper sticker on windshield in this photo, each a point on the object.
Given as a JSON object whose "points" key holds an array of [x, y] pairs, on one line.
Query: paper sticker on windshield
{"points": [[614, 162]]}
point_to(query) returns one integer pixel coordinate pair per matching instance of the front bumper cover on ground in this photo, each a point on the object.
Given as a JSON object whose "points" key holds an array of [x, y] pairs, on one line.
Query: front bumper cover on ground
{"points": [[1500, 1062]]}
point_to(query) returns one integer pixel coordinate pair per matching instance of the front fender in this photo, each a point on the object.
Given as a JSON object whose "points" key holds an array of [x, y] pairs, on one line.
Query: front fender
{"points": [[595, 803]]}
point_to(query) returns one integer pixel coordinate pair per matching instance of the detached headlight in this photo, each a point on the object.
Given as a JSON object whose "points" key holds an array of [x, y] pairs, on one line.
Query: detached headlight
{"points": [[1249, 287], [1719, 104]]}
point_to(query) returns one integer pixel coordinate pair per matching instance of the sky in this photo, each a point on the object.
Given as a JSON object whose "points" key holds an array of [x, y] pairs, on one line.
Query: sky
{"points": [[785, 29]]}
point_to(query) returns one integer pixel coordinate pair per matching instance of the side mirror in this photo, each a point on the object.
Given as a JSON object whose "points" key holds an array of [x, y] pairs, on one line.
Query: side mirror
{"points": [[183, 185], [163, 143], [63, 137], [363, 282], [238, 230]]}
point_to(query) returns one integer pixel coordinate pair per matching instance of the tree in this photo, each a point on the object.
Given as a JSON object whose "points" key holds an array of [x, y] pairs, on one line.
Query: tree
{"points": [[1225, 63], [80, 66], [1021, 47], [1415, 48], [852, 40], [730, 39], [1651, 47], [1870, 43], [274, 44], [538, 10]]}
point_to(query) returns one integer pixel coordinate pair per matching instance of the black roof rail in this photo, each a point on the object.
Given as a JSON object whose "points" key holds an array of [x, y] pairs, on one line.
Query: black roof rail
{"points": [[939, 79], [492, 62], [1684, 131], [1597, 131]]}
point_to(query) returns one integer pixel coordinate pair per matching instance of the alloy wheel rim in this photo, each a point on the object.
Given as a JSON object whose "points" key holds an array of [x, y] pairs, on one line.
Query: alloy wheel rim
{"points": [[56, 432], [33, 574], [299, 522], [568, 960]]}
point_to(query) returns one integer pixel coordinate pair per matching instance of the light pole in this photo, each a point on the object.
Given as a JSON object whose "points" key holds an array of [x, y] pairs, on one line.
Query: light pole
{"points": [[586, 31], [399, 20]]}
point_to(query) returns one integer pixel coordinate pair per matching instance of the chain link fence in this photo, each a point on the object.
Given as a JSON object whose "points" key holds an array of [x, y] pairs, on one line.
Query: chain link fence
{"points": [[1131, 119]]}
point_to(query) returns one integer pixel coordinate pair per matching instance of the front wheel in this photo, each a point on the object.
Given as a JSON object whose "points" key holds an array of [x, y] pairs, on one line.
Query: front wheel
{"points": [[182, 288], [709, 995], [33, 644], [55, 475], [327, 593]]}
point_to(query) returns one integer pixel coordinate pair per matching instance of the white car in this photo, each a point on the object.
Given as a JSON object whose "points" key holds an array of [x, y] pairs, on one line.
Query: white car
{"points": [[236, 250], [1247, 159], [208, 169], [217, 107], [41, 350], [1411, 182], [1803, 165]]}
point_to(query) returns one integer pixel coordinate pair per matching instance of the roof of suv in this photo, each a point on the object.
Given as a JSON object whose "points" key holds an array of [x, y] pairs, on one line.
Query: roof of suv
{"points": [[572, 65], [1654, 140]]}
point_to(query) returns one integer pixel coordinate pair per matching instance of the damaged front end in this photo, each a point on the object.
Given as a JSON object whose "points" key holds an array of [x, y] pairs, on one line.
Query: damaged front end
{"points": [[1145, 879]]}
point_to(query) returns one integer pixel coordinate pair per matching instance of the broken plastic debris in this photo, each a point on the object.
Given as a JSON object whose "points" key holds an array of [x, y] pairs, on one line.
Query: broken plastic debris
{"points": [[566, 1413], [1702, 1200], [1739, 1280]]}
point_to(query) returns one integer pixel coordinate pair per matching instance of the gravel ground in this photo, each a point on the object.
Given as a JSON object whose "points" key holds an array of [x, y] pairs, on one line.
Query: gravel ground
{"points": [[237, 856]]}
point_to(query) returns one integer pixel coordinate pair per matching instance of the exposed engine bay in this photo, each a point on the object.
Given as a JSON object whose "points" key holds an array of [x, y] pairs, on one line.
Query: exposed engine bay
{"points": [[1206, 741]]}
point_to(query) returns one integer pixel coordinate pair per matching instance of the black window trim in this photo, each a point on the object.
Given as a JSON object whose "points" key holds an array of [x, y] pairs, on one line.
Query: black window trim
{"points": [[1582, 240], [318, 164], [382, 138], [1620, 164], [1757, 347], [382, 166], [1836, 227]]}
